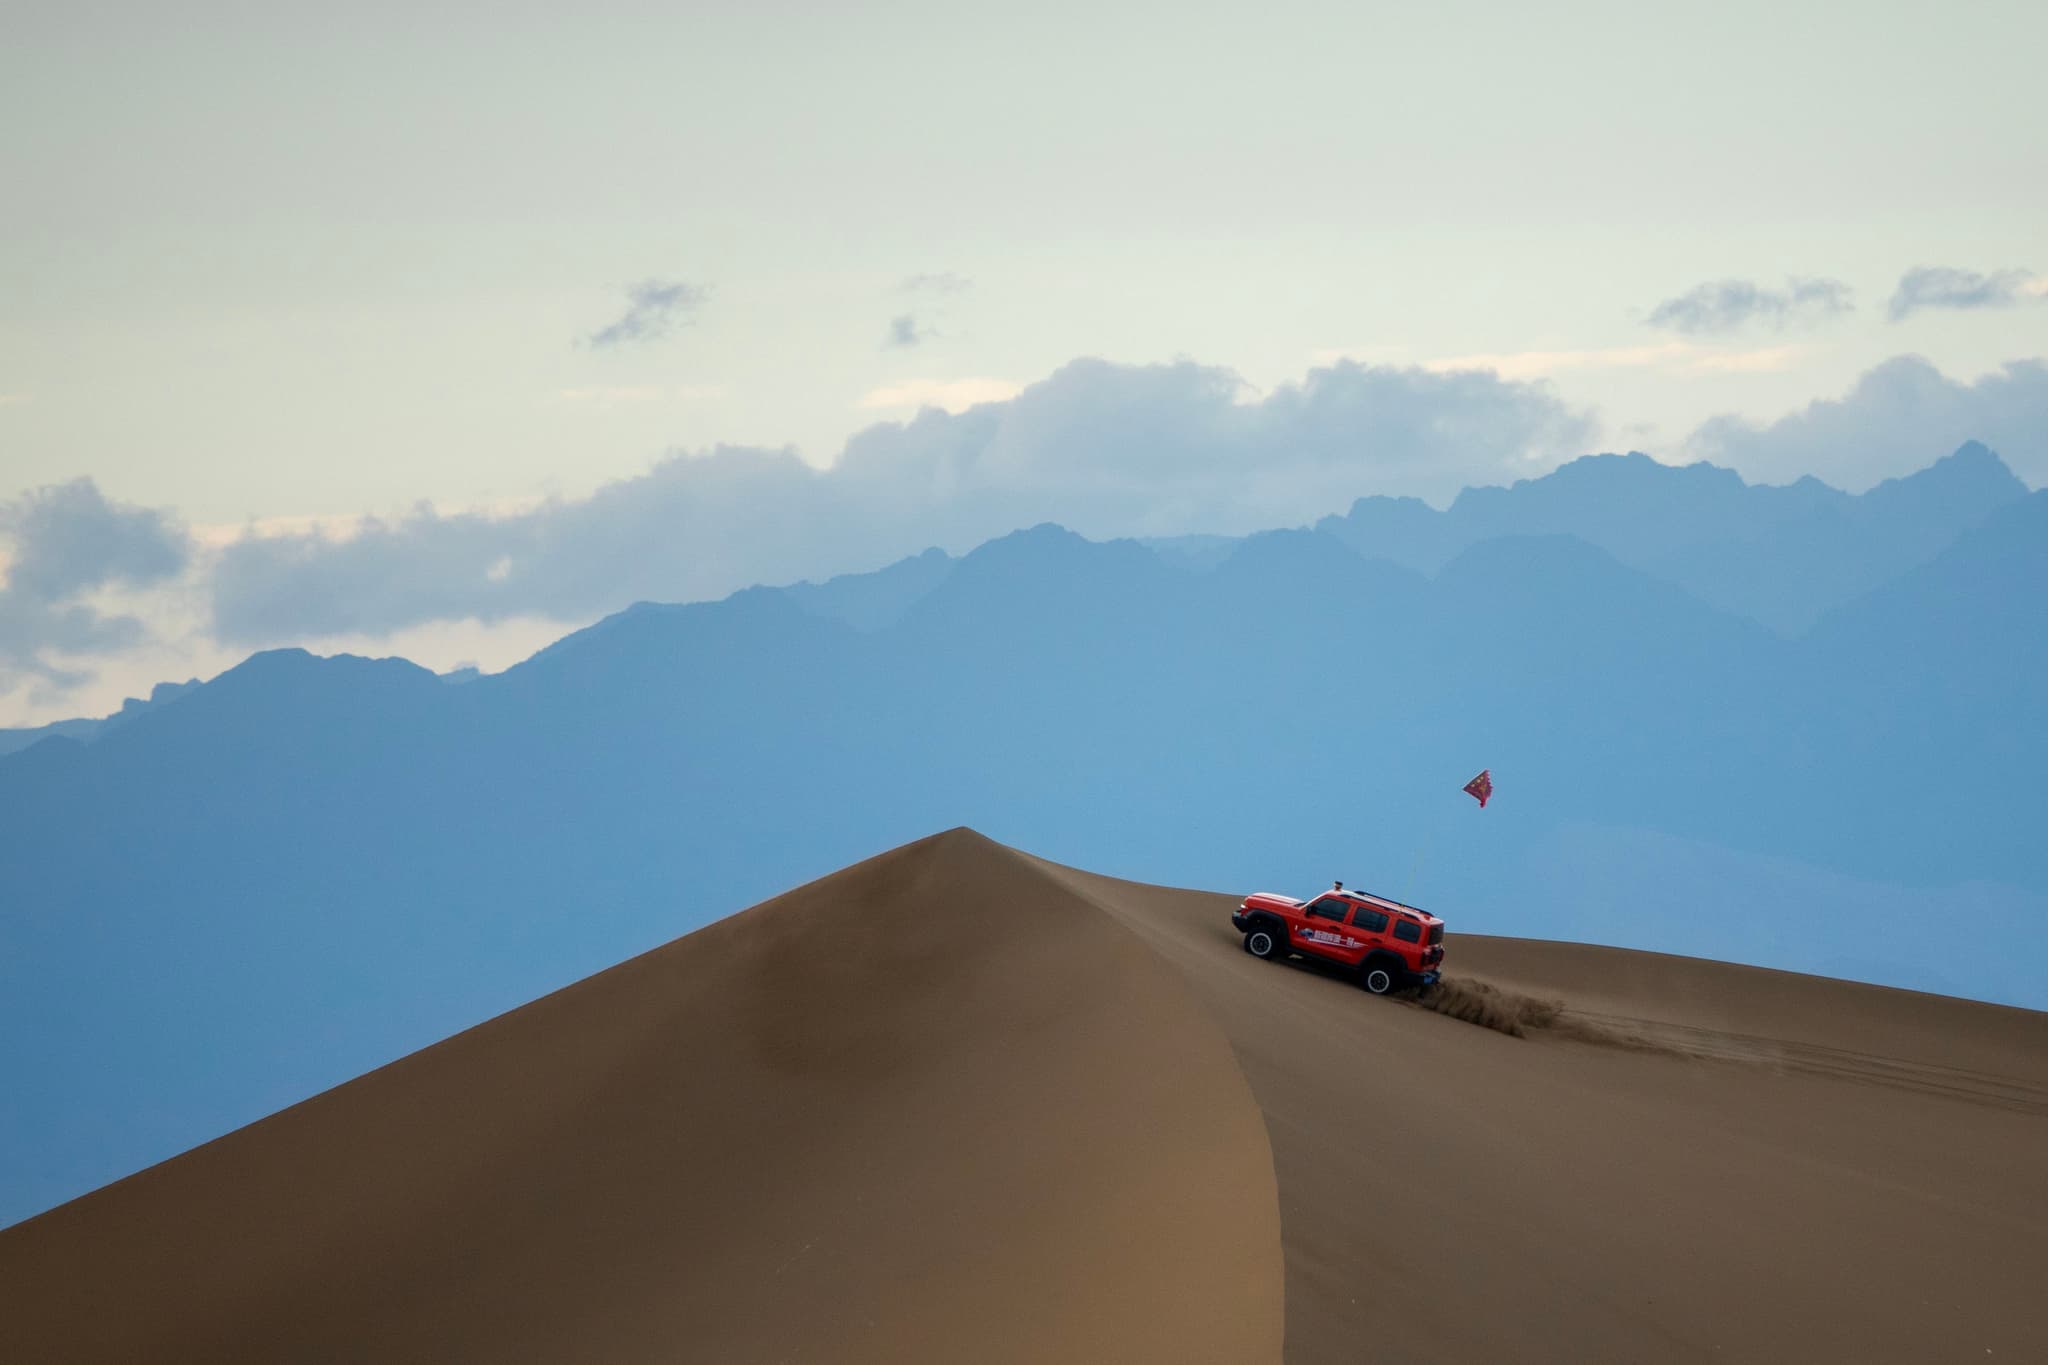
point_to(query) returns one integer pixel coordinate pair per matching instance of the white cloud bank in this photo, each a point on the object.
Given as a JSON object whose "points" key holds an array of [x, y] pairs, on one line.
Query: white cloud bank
{"points": [[60, 547], [1895, 419], [1105, 449]]}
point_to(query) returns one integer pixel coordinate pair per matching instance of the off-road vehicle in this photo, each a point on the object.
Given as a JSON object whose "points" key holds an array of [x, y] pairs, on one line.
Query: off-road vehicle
{"points": [[1389, 945]]}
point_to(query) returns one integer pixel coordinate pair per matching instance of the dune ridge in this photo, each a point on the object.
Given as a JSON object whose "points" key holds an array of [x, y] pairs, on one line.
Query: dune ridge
{"points": [[961, 1103], [930, 1107]]}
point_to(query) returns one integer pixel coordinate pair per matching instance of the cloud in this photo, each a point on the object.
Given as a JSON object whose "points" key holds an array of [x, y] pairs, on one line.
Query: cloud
{"points": [[904, 332], [670, 533], [1937, 286], [1113, 449], [63, 544], [67, 539], [1894, 419], [1727, 305], [935, 290], [1103, 448], [213, 536], [654, 308]]}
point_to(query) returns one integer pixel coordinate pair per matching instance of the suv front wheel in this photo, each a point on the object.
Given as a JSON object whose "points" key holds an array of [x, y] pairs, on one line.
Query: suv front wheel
{"points": [[1264, 941]]}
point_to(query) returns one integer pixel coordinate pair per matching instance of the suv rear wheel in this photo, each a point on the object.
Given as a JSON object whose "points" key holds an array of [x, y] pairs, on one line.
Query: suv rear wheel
{"points": [[1379, 977], [1262, 940]]}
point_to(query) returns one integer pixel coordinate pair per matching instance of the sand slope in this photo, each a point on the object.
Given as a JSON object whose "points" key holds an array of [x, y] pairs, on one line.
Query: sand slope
{"points": [[960, 1104], [930, 1108], [1451, 1193]]}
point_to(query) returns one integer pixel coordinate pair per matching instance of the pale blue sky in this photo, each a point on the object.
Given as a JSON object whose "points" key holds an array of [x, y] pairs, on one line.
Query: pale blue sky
{"points": [[283, 261]]}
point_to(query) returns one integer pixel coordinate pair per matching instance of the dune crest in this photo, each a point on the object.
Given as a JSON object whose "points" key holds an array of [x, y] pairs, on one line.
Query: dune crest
{"points": [[960, 1103], [932, 1107]]}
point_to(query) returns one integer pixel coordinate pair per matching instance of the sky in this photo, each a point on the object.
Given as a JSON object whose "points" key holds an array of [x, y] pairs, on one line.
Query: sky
{"points": [[439, 330]]}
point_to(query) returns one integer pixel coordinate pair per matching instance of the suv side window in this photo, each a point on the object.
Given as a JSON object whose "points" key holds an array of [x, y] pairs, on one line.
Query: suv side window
{"points": [[1408, 931], [1373, 920], [1329, 907]]}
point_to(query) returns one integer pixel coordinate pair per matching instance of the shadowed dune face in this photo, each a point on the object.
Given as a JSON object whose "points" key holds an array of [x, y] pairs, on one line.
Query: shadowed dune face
{"points": [[933, 1107], [957, 1103]]}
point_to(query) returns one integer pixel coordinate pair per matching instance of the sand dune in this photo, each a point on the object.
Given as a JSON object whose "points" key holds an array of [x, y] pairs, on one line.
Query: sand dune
{"points": [[960, 1104]]}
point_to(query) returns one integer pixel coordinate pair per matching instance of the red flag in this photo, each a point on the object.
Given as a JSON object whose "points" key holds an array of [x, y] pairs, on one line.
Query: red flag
{"points": [[1481, 787]]}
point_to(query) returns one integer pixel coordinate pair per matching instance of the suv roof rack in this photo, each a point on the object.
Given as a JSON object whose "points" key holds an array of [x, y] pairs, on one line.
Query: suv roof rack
{"points": [[1387, 901]]}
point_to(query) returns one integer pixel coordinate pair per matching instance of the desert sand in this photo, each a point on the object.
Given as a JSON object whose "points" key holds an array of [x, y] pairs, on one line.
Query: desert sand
{"points": [[958, 1104]]}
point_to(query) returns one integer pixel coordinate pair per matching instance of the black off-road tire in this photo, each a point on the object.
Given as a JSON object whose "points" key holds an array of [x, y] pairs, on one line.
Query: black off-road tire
{"points": [[1380, 977], [1265, 942]]}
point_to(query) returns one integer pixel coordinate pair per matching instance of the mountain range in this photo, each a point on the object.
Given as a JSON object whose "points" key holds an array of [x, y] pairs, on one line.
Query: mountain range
{"points": [[1783, 726]]}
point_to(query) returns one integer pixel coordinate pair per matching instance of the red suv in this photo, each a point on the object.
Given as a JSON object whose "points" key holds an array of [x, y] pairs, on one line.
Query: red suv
{"points": [[1389, 945]]}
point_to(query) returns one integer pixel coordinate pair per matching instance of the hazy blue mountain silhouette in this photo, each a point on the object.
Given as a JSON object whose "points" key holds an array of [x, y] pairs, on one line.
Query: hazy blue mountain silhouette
{"points": [[1782, 555], [15, 740], [871, 601], [306, 867], [1950, 697], [85, 728]]}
